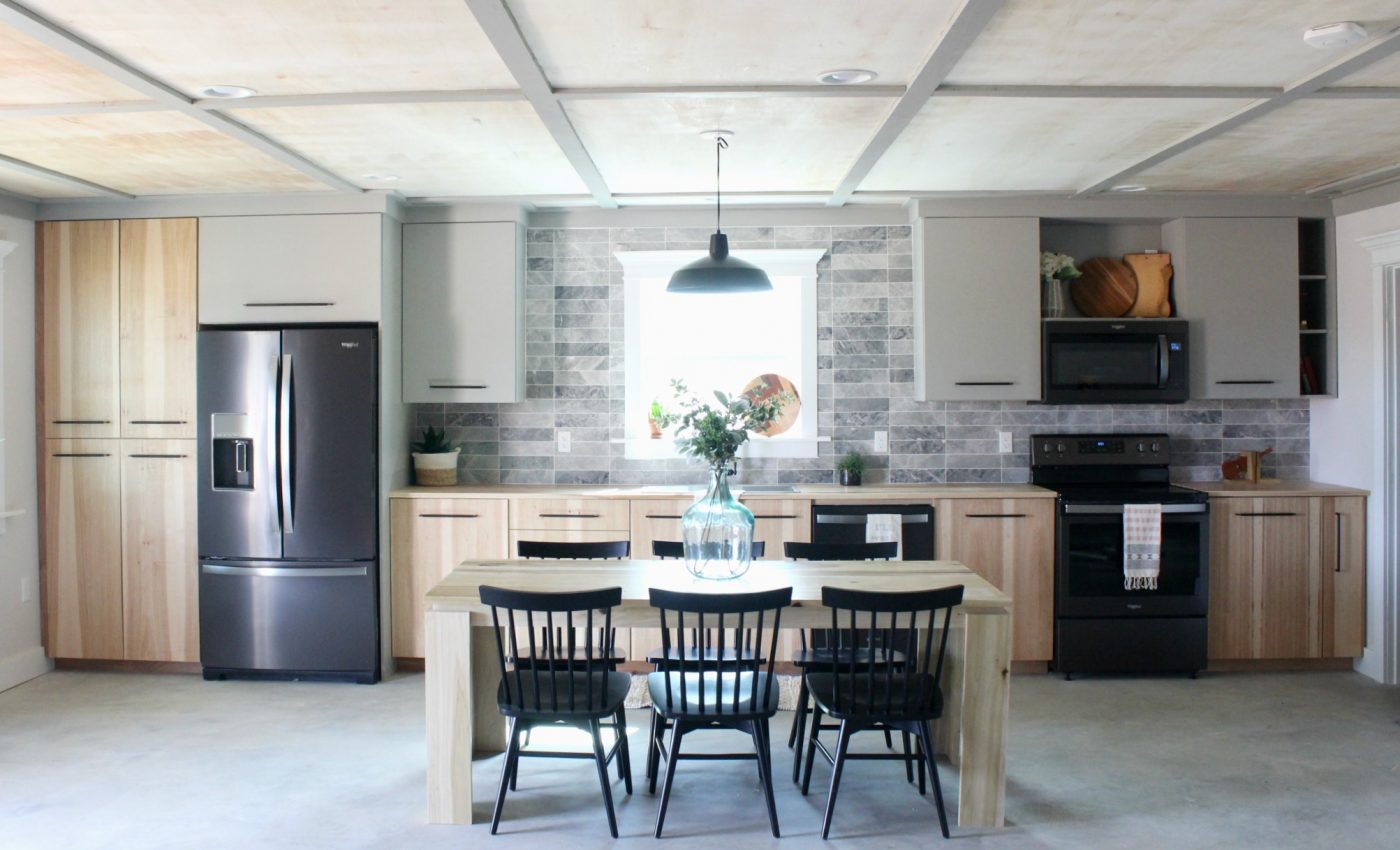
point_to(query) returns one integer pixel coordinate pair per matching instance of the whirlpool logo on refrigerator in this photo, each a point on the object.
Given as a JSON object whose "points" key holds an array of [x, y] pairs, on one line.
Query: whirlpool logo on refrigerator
{"points": [[349, 345]]}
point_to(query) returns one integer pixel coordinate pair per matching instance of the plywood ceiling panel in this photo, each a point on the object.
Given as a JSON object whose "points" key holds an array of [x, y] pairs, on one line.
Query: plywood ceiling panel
{"points": [[24, 183], [782, 144], [31, 73], [1167, 42], [146, 153], [584, 43], [1386, 72], [443, 149], [1009, 144], [1296, 148], [292, 46]]}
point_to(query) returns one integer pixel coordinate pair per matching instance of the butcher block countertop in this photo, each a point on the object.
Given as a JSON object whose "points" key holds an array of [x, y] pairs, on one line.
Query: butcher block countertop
{"points": [[1271, 487], [818, 492]]}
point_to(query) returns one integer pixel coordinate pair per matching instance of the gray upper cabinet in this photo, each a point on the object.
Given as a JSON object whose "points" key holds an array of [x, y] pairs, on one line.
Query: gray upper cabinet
{"points": [[283, 269], [1237, 282], [977, 309], [463, 312]]}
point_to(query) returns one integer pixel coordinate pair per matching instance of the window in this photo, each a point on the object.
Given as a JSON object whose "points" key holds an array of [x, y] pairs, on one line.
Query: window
{"points": [[720, 342]]}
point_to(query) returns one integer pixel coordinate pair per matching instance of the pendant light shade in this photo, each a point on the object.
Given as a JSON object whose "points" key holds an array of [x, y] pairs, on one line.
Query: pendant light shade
{"points": [[719, 273]]}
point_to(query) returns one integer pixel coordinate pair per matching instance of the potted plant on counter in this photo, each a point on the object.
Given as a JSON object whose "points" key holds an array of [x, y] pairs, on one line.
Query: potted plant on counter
{"points": [[849, 469], [435, 459]]}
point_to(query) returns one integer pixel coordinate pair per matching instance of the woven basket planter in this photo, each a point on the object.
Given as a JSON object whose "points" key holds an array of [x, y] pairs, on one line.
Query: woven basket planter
{"points": [[436, 470]]}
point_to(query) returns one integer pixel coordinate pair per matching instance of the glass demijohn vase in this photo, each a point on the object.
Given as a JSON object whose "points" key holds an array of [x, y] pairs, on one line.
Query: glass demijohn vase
{"points": [[718, 532]]}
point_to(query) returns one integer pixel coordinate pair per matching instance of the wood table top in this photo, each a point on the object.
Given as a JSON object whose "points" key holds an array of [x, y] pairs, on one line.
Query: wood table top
{"points": [[459, 591]]}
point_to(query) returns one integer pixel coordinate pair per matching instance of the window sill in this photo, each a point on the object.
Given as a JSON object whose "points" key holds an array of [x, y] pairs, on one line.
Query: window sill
{"points": [[664, 447]]}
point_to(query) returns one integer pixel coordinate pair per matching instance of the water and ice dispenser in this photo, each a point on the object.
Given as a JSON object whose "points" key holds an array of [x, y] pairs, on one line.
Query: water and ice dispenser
{"points": [[233, 451]]}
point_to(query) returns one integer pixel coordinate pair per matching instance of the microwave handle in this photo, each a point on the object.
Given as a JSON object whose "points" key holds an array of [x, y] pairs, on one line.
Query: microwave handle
{"points": [[1164, 362]]}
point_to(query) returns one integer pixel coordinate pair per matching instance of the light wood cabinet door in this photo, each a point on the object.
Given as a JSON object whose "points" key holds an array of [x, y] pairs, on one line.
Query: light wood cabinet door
{"points": [[1343, 576], [1231, 614], [83, 549], [428, 538], [158, 323], [779, 521], [160, 555], [655, 519], [1011, 543], [566, 514], [78, 306], [1265, 578]]}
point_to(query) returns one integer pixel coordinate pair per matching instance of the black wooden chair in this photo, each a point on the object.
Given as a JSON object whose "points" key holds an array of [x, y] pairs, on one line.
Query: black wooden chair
{"points": [[820, 649], [666, 549], [885, 696], [726, 692], [565, 684], [572, 551]]}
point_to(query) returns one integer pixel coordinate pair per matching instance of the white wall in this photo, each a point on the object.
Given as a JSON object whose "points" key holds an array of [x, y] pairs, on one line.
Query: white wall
{"points": [[1346, 430], [21, 655]]}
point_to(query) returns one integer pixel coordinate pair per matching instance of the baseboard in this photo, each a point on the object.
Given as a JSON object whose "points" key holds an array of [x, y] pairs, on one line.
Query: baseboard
{"points": [[101, 666], [1279, 665], [1029, 668], [22, 666]]}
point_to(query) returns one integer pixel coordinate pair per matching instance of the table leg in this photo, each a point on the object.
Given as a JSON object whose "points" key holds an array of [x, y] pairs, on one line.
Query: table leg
{"points": [[986, 704], [449, 714], [948, 730]]}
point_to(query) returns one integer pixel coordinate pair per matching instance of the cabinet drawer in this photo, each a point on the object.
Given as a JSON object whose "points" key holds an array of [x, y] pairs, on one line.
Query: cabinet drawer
{"points": [[779, 521], [571, 515], [656, 519]]}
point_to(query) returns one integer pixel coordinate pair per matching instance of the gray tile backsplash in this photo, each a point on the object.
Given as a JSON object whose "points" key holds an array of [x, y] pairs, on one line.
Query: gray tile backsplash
{"points": [[574, 380]]}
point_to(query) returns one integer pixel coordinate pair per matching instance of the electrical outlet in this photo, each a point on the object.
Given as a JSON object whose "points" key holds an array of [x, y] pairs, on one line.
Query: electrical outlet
{"points": [[1004, 442], [26, 593], [565, 443], [882, 441]]}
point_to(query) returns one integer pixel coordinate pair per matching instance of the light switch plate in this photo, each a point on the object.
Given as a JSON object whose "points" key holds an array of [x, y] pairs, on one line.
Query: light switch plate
{"points": [[1004, 442], [565, 442], [882, 441], [26, 593]]}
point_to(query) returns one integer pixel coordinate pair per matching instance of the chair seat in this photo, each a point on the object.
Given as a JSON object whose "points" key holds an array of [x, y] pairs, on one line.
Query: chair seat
{"points": [[607, 696], [825, 657], [580, 657], [719, 692], [925, 698], [692, 655]]}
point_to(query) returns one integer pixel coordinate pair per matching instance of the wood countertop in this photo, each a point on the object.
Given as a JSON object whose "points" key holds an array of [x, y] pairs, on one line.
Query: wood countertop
{"points": [[1271, 487], [819, 492]]}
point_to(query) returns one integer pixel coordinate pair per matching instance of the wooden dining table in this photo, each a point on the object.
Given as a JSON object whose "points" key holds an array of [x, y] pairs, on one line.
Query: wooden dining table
{"points": [[463, 673]]}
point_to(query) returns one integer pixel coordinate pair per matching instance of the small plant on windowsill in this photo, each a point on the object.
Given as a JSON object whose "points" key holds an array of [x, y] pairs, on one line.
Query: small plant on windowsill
{"points": [[435, 458], [656, 417], [849, 469]]}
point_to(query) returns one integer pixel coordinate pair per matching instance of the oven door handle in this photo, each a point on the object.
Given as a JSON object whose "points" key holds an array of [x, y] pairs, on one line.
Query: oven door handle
{"points": [[1112, 510], [1164, 362]]}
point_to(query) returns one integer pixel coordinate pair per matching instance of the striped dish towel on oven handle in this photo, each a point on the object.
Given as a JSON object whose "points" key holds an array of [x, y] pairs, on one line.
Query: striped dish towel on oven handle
{"points": [[1142, 546]]}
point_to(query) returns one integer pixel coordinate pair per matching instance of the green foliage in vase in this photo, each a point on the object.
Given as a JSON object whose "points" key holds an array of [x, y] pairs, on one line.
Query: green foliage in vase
{"points": [[853, 462], [434, 442], [714, 432]]}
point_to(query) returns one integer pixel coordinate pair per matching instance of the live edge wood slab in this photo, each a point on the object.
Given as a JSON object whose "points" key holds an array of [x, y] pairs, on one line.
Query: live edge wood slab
{"points": [[462, 675]]}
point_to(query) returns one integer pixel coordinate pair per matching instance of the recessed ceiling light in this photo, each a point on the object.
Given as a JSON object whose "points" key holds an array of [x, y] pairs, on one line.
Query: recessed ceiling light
{"points": [[1128, 187], [227, 92], [382, 178], [1339, 34], [845, 77]]}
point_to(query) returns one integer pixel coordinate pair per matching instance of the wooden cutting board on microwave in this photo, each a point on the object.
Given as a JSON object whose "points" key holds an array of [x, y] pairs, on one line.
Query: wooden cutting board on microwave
{"points": [[1154, 284]]}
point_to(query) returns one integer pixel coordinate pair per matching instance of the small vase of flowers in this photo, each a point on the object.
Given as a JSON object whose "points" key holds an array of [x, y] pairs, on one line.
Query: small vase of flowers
{"points": [[1055, 271]]}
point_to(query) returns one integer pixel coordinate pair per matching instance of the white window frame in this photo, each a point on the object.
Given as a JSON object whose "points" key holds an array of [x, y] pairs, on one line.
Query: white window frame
{"points": [[639, 266]]}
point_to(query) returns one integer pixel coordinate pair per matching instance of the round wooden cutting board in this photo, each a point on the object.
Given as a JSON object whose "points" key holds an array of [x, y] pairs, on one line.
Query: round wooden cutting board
{"points": [[771, 384], [1154, 278], [1106, 288]]}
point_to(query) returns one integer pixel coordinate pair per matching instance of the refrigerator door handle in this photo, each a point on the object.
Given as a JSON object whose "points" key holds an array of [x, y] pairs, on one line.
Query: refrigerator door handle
{"points": [[284, 443], [283, 572]]}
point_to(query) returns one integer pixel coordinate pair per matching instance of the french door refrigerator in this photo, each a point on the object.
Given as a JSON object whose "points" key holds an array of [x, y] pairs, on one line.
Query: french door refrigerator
{"points": [[288, 503]]}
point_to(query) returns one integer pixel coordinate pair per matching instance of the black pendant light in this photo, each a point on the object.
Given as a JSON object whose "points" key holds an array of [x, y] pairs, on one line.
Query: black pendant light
{"points": [[719, 273]]}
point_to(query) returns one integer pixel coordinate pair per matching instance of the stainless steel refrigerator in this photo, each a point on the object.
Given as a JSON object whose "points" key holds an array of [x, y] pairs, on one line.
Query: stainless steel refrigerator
{"points": [[288, 503]]}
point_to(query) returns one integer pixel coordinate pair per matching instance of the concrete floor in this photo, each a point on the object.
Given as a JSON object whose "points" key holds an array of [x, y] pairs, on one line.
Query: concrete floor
{"points": [[94, 760]]}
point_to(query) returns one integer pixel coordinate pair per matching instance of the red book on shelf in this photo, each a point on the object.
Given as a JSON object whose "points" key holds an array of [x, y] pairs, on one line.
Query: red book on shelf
{"points": [[1309, 376]]}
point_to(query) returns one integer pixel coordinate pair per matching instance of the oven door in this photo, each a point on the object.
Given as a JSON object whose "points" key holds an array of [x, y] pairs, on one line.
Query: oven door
{"points": [[1089, 564]]}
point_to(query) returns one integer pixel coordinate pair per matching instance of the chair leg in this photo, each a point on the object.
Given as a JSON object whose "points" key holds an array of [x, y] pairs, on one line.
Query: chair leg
{"points": [[889, 741], [515, 765], [843, 740], [658, 740], [761, 745], [507, 772], [908, 759], [624, 755], [677, 731], [919, 762], [811, 748], [799, 727], [926, 736], [596, 728]]}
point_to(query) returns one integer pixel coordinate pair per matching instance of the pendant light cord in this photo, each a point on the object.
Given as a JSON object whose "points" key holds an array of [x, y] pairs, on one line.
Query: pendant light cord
{"points": [[720, 144]]}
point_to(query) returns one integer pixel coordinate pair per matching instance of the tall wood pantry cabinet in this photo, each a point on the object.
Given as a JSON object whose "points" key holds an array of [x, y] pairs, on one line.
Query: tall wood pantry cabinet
{"points": [[117, 319]]}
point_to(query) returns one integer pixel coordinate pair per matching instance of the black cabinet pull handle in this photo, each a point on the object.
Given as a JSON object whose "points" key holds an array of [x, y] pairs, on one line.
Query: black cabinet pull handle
{"points": [[571, 516], [448, 516], [433, 386], [1338, 567], [1246, 382], [994, 516], [154, 455], [663, 516], [81, 454], [983, 383], [82, 422], [159, 421], [1268, 513], [288, 303], [775, 516]]}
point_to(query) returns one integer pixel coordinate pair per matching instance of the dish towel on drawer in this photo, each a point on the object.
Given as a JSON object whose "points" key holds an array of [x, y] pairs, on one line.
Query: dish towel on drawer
{"points": [[1142, 546], [885, 528]]}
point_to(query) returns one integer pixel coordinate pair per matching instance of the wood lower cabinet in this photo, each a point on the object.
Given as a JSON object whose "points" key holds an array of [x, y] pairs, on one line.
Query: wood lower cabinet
{"points": [[158, 324], [778, 521], [82, 534], [428, 538], [160, 563], [78, 347], [655, 519], [1287, 577], [1011, 543]]}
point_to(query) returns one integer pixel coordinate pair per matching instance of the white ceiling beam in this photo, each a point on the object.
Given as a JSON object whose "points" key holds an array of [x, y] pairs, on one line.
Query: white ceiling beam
{"points": [[504, 34], [1346, 66], [966, 26], [643, 92], [51, 35], [1357, 182], [59, 177], [368, 98], [1155, 92], [1359, 92]]}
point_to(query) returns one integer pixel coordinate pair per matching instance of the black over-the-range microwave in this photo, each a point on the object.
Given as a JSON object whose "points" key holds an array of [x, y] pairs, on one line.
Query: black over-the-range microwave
{"points": [[1114, 361]]}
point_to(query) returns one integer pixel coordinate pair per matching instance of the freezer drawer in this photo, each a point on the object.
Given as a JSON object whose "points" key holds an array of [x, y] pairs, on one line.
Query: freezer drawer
{"points": [[289, 619]]}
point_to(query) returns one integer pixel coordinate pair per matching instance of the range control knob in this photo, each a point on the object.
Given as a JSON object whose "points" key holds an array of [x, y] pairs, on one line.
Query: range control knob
{"points": [[1140, 448], [1060, 447], [1045, 447], [1156, 447]]}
